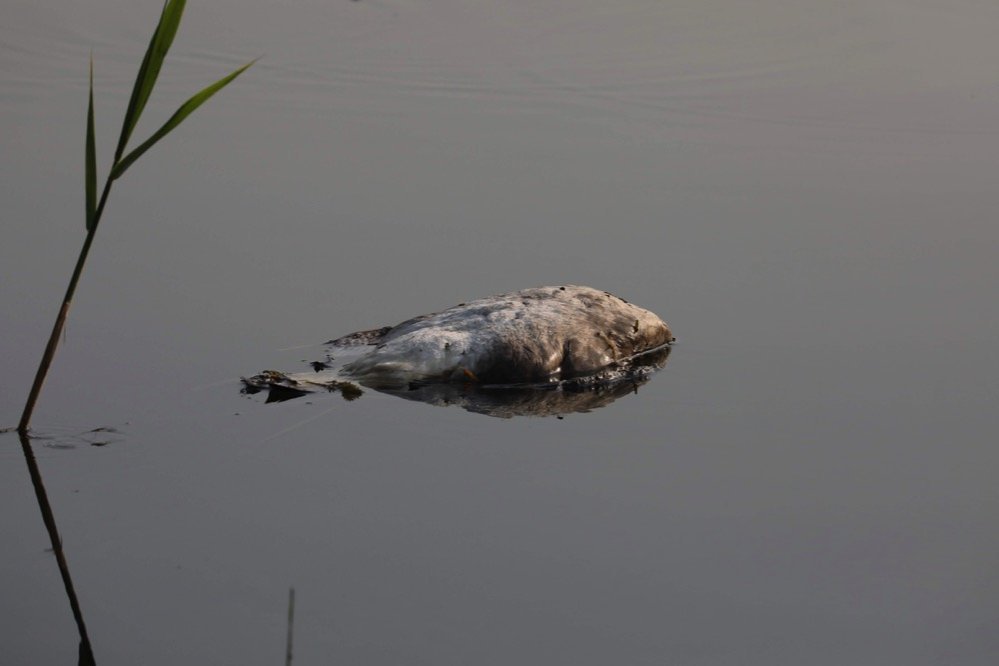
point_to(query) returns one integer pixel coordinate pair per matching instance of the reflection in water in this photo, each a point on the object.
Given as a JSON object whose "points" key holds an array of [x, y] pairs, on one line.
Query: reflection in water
{"points": [[582, 394], [86, 655]]}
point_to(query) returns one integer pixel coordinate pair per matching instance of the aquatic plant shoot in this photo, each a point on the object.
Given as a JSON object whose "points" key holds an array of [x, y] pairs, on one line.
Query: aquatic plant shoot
{"points": [[145, 81]]}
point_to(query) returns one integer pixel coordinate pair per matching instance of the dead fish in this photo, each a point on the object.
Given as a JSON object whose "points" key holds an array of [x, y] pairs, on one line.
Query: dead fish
{"points": [[537, 335]]}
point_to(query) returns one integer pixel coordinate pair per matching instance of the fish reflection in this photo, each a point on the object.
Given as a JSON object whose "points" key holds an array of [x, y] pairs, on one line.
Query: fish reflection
{"points": [[502, 401]]}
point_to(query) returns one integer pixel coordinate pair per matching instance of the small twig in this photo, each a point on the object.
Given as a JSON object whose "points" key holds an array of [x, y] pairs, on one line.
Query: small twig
{"points": [[291, 623]]}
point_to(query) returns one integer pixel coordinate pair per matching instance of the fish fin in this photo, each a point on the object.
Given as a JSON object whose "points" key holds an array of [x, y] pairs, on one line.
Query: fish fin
{"points": [[371, 337]]}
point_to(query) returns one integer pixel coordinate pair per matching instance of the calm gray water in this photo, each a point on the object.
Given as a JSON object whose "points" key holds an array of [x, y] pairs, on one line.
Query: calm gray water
{"points": [[805, 191]]}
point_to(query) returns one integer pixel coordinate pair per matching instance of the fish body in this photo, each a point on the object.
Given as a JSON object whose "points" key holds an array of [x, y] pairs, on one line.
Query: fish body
{"points": [[537, 335]]}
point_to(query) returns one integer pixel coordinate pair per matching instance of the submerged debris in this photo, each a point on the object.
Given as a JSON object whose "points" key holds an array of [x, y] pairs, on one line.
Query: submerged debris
{"points": [[281, 387]]}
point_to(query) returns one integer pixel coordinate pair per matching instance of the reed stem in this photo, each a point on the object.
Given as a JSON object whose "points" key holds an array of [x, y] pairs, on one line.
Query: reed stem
{"points": [[60, 322], [163, 36]]}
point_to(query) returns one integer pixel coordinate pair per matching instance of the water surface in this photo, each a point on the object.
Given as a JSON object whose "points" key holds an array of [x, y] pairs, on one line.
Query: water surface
{"points": [[806, 193]]}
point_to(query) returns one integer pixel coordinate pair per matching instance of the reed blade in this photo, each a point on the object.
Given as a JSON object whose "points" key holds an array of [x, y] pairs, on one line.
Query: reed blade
{"points": [[160, 43], [179, 115], [90, 168]]}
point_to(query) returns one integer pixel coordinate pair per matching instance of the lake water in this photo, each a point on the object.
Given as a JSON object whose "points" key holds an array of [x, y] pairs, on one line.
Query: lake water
{"points": [[805, 191]]}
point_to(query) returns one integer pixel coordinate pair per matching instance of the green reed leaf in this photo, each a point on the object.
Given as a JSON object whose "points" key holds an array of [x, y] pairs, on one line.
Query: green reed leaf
{"points": [[160, 43], [179, 115], [90, 168]]}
